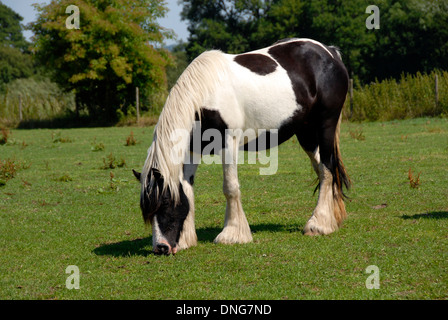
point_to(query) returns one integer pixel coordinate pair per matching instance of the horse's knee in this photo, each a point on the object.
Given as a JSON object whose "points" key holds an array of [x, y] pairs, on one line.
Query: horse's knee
{"points": [[231, 189]]}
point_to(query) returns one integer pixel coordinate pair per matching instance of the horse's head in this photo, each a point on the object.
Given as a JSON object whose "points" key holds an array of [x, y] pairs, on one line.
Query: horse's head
{"points": [[161, 210]]}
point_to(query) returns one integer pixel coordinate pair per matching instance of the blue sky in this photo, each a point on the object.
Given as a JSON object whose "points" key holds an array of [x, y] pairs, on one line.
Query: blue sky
{"points": [[171, 21]]}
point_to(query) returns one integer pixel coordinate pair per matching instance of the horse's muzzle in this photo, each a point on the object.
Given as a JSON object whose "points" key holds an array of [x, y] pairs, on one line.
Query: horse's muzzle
{"points": [[164, 248]]}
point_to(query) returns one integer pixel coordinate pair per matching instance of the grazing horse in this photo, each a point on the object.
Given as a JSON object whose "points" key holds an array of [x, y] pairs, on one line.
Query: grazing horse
{"points": [[295, 86]]}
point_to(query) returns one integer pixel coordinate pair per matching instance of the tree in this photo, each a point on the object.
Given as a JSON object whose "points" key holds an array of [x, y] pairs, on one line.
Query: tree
{"points": [[413, 37], [15, 62], [413, 34], [11, 29], [113, 51], [225, 25], [242, 25], [14, 65]]}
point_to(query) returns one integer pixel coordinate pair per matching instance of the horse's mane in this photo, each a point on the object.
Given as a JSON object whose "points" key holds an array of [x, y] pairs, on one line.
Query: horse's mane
{"points": [[184, 101]]}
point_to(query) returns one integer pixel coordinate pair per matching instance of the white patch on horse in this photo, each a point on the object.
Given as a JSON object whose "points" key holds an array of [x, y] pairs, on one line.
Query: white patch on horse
{"points": [[157, 236], [253, 101]]}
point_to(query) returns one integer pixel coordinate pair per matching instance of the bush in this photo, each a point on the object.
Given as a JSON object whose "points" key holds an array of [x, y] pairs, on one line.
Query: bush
{"points": [[411, 97], [41, 100]]}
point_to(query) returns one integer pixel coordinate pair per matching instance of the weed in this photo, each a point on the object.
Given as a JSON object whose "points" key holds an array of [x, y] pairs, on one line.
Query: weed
{"points": [[64, 178], [414, 182], [112, 184], [357, 134], [5, 136], [97, 146], [9, 168], [130, 140], [121, 163], [111, 162], [56, 138]]}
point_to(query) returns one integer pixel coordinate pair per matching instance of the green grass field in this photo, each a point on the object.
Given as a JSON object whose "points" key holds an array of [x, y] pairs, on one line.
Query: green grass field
{"points": [[66, 205]]}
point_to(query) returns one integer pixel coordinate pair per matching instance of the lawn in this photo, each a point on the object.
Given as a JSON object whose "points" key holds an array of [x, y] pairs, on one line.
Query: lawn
{"points": [[74, 201]]}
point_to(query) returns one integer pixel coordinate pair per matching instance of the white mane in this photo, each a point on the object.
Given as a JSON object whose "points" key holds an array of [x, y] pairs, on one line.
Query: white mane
{"points": [[186, 98]]}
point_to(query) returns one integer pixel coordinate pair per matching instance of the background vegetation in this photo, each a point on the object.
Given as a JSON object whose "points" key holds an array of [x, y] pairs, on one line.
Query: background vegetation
{"points": [[411, 96], [413, 34], [93, 71]]}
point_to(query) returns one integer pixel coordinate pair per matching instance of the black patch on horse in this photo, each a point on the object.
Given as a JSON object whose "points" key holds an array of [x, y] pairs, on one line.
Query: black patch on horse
{"points": [[171, 217], [210, 119], [257, 63], [157, 203], [297, 58]]}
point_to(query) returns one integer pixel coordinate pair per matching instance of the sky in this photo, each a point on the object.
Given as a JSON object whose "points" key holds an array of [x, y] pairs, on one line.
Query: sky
{"points": [[171, 21]]}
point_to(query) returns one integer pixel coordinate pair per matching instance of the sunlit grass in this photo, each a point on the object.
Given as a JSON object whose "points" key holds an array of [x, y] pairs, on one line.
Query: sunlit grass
{"points": [[66, 209]]}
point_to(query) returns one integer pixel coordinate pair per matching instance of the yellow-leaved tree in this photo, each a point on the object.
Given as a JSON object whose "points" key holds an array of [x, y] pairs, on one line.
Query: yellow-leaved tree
{"points": [[103, 50]]}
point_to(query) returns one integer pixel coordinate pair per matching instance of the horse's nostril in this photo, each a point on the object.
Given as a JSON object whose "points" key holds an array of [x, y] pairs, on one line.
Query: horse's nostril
{"points": [[163, 248]]}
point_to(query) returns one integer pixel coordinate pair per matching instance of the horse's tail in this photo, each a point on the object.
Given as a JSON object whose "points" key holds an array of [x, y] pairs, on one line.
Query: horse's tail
{"points": [[340, 178]]}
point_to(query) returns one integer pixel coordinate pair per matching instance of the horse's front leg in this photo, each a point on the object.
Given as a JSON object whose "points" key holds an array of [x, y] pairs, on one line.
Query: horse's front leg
{"points": [[188, 236], [236, 228]]}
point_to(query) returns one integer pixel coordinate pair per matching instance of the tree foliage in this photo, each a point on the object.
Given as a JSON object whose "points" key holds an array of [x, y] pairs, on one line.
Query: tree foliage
{"points": [[113, 51], [413, 34], [14, 65], [11, 29], [14, 61]]}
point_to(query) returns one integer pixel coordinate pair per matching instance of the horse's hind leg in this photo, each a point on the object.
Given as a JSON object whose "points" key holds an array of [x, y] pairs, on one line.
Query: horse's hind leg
{"points": [[322, 148], [236, 228]]}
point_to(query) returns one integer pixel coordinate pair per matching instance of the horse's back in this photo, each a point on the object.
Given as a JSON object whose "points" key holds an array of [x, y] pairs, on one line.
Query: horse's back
{"points": [[265, 88]]}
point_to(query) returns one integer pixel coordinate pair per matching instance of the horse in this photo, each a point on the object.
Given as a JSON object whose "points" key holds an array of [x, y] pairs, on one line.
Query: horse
{"points": [[295, 86]]}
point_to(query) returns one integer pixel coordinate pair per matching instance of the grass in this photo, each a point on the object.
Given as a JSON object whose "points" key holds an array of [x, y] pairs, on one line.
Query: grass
{"points": [[65, 209]]}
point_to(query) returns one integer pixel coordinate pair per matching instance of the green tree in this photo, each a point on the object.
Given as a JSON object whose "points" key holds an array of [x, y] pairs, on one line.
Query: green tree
{"points": [[14, 65], [15, 62], [11, 29], [413, 34], [413, 37], [114, 50], [225, 25]]}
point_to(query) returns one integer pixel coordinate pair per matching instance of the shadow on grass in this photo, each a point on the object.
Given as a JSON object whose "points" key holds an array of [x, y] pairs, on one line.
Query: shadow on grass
{"points": [[428, 215], [139, 246], [209, 234], [127, 248]]}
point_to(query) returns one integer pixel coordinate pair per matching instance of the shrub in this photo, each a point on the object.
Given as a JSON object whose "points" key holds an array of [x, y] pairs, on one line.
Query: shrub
{"points": [[41, 100], [411, 97]]}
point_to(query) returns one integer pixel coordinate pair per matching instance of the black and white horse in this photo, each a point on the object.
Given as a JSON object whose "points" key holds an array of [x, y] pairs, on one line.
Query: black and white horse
{"points": [[295, 86]]}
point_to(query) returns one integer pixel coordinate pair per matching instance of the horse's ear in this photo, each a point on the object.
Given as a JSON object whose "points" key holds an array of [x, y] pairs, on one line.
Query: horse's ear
{"points": [[136, 174]]}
